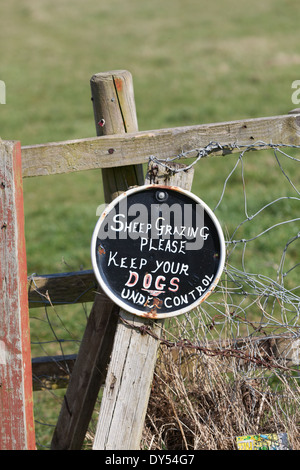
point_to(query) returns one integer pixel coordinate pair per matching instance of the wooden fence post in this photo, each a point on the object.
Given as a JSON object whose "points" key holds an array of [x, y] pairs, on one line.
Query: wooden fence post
{"points": [[16, 400], [130, 373], [114, 111]]}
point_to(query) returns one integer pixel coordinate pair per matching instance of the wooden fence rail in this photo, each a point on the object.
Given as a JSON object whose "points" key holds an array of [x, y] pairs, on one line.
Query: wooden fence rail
{"points": [[62, 288], [111, 151]]}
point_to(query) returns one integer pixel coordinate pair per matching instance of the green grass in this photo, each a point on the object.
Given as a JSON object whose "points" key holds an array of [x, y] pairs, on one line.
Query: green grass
{"points": [[192, 62]]}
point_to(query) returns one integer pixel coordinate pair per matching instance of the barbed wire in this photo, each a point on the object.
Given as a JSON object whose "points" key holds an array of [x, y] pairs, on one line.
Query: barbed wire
{"points": [[239, 282], [214, 147], [247, 356], [250, 313]]}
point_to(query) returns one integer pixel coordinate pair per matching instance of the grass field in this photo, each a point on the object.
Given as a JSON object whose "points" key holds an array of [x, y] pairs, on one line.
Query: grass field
{"points": [[192, 62]]}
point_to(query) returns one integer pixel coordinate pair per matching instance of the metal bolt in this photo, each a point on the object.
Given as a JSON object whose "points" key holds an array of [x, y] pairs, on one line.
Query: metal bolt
{"points": [[161, 195], [111, 151]]}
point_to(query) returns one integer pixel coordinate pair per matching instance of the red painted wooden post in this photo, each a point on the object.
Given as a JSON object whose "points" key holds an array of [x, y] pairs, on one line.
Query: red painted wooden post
{"points": [[16, 399]]}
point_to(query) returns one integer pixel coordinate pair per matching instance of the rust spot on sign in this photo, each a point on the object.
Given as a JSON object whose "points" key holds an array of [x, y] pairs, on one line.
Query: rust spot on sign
{"points": [[151, 314], [101, 250], [157, 303]]}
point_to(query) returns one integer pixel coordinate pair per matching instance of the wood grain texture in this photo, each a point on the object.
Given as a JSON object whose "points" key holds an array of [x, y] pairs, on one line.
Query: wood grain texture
{"points": [[133, 148], [130, 372], [16, 402], [115, 113], [127, 387], [61, 288]]}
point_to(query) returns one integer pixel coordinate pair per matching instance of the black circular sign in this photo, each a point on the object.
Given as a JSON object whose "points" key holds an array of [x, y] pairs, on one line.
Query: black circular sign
{"points": [[158, 251]]}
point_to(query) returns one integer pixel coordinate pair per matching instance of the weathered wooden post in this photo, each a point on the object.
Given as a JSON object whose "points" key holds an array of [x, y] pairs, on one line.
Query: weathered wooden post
{"points": [[16, 401], [130, 374], [115, 113]]}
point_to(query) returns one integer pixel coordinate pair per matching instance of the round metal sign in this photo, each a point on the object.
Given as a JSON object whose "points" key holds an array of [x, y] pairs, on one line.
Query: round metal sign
{"points": [[158, 251]]}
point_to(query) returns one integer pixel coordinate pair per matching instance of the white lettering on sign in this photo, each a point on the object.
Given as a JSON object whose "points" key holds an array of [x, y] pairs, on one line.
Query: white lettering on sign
{"points": [[172, 246], [159, 287], [149, 225], [158, 258]]}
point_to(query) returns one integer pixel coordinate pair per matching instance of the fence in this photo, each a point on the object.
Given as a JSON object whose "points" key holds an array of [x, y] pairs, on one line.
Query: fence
{"points": [[250, 324]]}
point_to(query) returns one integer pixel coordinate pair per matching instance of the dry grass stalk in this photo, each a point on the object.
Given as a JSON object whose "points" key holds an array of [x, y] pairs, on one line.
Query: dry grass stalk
{"points": [[197, 402]]}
